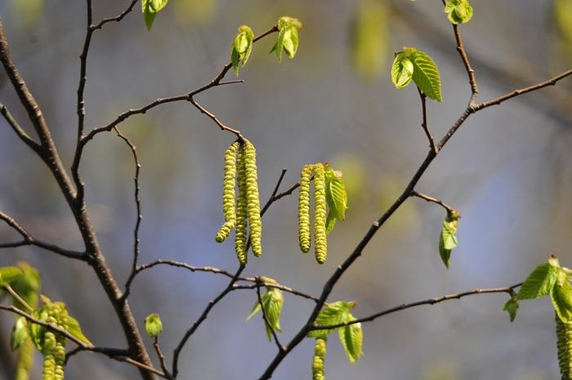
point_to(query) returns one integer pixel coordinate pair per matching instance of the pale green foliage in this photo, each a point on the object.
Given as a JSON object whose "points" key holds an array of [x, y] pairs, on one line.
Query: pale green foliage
{"points": [[153, 325], [412, 64], [511, 307], [9, 275], [351, 336], [459, 11], [541, 281], [448, 237], [150, 8], [241, 47], [272, 301], [288, 28], [336, 197]]}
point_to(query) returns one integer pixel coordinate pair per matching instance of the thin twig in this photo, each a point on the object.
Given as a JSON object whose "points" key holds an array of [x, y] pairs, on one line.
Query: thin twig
{"points": [[202, 317], [467, 64], [214, 118], [139, 215], [217, 81], [161, 357], [425, 123], [430, 301], [28, 239], [20, 132], [117, 18], [433, 200], [17, 297]]}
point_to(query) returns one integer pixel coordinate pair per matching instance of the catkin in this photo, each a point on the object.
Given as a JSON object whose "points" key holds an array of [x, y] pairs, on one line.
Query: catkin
{"points": [[253, 198], [304, 208], [49, 363], [318, 372], [228, 194], [320, 240], [564, 345], [241, 233]]}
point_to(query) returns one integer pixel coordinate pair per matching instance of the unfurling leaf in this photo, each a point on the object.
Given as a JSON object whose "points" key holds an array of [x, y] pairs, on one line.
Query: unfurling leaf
{"points": [[411, 63], [541, 281], [288, 29], [336, 194], [459, 11], [241, 47], [448, 237], [561, 296], [9, 274], [150, 8], [272, 301], [401, 71], [19, 333], [153, 325], [332, 314], [351, 337], [511, 307]]}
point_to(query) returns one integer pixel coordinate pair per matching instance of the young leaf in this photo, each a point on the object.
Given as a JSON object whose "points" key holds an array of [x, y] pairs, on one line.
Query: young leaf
{"points": [[272, 300], [19, 333], [401, 71], [336, 194], [448, 237], [426, 75], [74, 328], [150, 9], [459, 11], [241, 47], [288, 29], [351, 337], [561, 295], [540, 282], [9, 274], [153, 325], [332, 314], [511, 306]]}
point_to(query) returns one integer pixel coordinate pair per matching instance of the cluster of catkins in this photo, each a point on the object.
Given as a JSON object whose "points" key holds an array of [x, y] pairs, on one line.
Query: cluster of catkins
{"points": [[242, 211]]}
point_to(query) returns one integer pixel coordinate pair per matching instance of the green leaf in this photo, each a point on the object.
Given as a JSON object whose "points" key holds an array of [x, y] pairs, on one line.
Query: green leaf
{"points": [[241, 47], [336, 194], [540, 282], [459, 11], [448, 237], [19, 333], [74, 329], [426, 75], [9, 274], [351, 337], [332, 314], [561, 296], [401, 71], [511, 306], [150, 8], [330, 222], [288, 28], [153, 325], [272, 300]]}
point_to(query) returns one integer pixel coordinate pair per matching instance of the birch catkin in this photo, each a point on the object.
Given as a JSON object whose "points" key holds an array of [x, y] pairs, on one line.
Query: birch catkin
{"points": [[304, 208], [229, 193], [253, 197], [320, 243]]}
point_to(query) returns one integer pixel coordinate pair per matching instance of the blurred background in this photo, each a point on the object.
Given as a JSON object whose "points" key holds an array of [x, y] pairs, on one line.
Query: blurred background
{"points": [[508, 171]]}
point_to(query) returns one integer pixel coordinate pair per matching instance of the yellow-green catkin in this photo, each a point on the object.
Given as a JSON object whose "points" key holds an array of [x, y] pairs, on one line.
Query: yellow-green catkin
{"points": [[318, 372], [564, 345], [229, 193], [49, 350], [304, 208], [25, 360], [320, 240], [241, 233], [253, 198]]}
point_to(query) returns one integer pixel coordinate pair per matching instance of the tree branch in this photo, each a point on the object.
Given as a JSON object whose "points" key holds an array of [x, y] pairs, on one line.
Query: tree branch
{"points": [[20, 132]]}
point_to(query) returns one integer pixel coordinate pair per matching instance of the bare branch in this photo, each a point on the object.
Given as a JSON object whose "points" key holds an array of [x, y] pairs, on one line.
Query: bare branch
{"points": [[433, 200], [430, 301], [18, 129], [161, 357], [137, 197], [467, 64], [425, 123], [213, 117], [117, 18], [28, 239]]}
